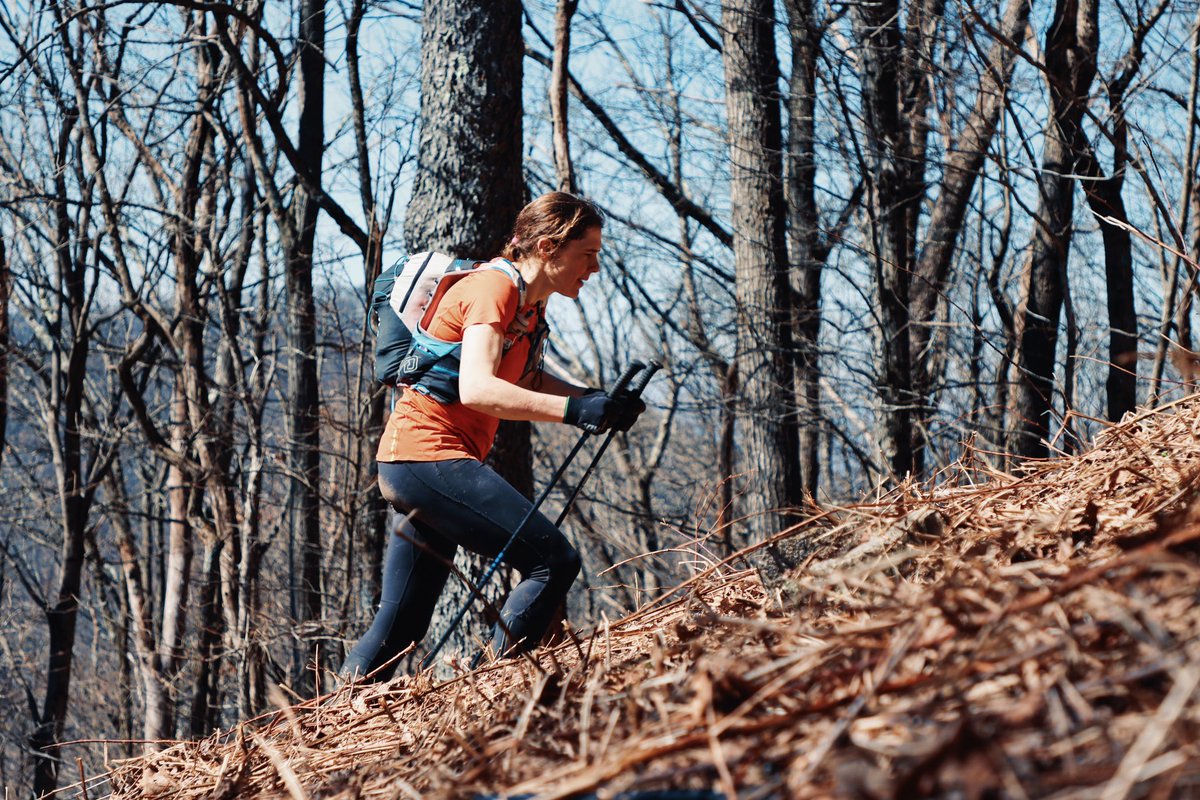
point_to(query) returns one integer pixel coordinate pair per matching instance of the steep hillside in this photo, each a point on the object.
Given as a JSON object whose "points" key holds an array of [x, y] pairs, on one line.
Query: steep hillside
{"points": [[1000, 636]]}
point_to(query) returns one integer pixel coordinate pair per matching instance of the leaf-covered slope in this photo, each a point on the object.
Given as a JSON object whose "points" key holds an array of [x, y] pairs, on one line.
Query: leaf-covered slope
{"points": [[997, 636]]}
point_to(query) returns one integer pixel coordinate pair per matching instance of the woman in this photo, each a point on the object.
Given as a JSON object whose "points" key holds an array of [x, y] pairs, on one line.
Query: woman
{"points": [[431, 456]]}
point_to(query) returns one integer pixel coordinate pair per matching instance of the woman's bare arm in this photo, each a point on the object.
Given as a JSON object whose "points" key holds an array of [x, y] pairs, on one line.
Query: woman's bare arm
{"points": [[480, 390]]}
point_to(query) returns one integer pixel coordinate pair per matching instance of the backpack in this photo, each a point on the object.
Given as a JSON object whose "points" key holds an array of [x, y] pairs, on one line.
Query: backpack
{"points": [[405, 354]]}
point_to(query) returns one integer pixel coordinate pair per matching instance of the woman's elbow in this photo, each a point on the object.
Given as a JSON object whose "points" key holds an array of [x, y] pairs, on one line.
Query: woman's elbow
{"points": [[473, 394]]}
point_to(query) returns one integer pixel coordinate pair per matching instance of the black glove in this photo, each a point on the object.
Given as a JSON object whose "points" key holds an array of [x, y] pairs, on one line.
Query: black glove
{"points": [[593, 412], [629, 408]]}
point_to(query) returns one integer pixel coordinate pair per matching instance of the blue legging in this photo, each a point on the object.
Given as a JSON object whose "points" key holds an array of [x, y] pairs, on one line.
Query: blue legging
{"points": [[460, 503]]}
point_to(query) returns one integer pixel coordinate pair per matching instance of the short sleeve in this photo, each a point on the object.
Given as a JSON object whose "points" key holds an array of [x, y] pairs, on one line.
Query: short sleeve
{"points": [[487, 297], [491, 299]]}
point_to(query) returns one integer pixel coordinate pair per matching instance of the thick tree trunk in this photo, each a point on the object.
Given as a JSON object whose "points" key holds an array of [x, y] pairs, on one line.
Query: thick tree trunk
{"points": [[764, 338], [1071, 64], [877, 27], [803, 233], [304, 398], [468, 187]]}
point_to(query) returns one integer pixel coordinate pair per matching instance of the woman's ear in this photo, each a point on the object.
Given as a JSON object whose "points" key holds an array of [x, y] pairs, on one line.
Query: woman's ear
{"points": [[545, 247]]}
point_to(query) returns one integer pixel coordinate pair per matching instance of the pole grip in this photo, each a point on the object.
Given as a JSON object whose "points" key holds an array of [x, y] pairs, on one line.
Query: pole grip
{"points": [[628, 375], [644, 378]]}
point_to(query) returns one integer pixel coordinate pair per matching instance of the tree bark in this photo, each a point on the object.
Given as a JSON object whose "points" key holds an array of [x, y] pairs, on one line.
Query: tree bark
{"points": [[1104, 196], [160, 656], [5, 296], [764, 316], [804, 233], [1103, 193], [205, 715], [887, 173], [1071, 44], [304, 398], [563, 169], [65, 417]]}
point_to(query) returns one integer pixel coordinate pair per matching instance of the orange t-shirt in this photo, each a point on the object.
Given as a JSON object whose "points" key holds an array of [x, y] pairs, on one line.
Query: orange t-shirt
{"points": [[422, 429]]}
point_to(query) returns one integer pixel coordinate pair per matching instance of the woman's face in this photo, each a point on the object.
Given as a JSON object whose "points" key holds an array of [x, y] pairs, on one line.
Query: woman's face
{"points": [[573, 263]]}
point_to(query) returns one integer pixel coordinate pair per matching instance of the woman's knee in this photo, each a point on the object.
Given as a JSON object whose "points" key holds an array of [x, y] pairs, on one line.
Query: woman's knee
{"points": [[566, 564]]}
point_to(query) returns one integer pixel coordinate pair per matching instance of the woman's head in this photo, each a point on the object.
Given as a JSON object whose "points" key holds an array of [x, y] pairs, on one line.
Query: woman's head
{"points": [[558, 217]]}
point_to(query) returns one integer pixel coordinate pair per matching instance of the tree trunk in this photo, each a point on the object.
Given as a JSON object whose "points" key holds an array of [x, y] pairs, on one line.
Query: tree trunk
{"points": [[563, 170], [304, 399], [764, 339], [1104, 196], [803, 233], [1071, 64], [372, 522], [64, 418], [468, 187], [5, 295], [229, 383], [877, 27], [159, 657], [205, 714], [726, 452]]}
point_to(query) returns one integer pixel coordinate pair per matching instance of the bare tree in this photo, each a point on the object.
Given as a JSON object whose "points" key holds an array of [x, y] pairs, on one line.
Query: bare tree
{"points": [[764, 339], [1071, 44], [303, 384], [963, 165], [890, 171], [563, 168], [804, 231]]}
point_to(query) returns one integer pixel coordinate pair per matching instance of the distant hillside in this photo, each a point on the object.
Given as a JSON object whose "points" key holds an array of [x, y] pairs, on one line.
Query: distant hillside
{"points": [[1000, 636]]}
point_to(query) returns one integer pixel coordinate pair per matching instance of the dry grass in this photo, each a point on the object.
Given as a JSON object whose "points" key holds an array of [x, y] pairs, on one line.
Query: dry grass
{"points": [[1000, 636]]}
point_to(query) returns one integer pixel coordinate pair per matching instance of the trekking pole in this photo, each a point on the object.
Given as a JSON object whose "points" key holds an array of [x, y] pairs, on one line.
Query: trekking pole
{"points": [[635, 390], [622, 382]]}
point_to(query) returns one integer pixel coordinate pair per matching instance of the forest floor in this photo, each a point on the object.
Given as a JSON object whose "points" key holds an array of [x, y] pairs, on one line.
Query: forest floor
{"points": [[990, 635]]}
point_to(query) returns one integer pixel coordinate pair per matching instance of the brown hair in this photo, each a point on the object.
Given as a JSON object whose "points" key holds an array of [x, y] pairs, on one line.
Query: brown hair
{"points": [[557, 216]]}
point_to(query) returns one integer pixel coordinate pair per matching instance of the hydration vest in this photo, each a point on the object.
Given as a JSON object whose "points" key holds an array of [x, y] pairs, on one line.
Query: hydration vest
{"points": [[404, 299]]}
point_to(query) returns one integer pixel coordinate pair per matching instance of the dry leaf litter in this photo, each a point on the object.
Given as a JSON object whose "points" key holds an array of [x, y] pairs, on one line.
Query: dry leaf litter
{"points": [[995, 636]]}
